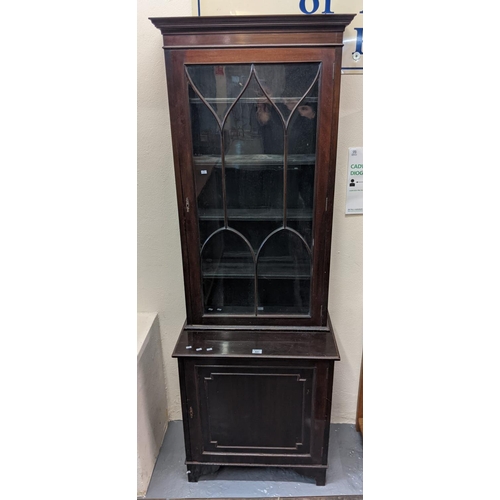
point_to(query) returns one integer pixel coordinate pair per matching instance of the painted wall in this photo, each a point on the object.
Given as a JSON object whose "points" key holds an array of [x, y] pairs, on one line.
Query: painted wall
{"points": [[152, 417], [345, 301], [159, 273], [160, 282]]}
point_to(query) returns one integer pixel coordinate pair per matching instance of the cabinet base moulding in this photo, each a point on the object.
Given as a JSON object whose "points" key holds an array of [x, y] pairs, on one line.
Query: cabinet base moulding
{"points": [[196, 470]]}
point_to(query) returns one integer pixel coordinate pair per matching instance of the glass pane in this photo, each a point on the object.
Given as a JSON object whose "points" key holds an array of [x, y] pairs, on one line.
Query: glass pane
{"points": [[219, 85], [301, 164], [207, 167], [228, 274], [249, 124], [284, 275], [256, 228], [253, 135], [302, 128], [301, 224], [286, 83]]}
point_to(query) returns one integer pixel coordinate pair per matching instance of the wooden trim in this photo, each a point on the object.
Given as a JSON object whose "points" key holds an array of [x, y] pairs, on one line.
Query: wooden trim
{"points": [[268, 39], [239, 24], [260, 46], [258, 55], [333, 141]]}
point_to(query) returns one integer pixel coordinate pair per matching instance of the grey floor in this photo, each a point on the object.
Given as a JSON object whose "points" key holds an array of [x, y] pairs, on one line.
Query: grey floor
{"points": [[344, 475]]}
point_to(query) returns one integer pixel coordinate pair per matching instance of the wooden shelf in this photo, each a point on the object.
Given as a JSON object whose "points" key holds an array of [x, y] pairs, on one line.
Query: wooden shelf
{"points": [[265, 270], [256, 214], [255, 160], [250, 100]]}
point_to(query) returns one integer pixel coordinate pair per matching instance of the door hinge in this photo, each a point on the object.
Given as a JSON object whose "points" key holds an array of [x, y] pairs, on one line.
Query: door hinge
{"points": [[187, 205], [326, 206], [191, 411]]}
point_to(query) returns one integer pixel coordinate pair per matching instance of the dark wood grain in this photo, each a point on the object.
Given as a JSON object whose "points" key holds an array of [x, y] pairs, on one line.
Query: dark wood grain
{"points": [[239, 411], [257, 411], [181, 135], [332, 142], [196, 471], [274, 344], [241, 24]]}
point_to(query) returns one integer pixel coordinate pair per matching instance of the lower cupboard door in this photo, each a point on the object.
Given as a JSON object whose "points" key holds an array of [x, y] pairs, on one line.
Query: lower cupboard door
{"points": [[263, 413]]}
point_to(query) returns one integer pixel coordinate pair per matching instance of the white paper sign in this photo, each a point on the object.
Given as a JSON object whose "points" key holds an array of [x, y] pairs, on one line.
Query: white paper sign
{"points": [[354, 198]]}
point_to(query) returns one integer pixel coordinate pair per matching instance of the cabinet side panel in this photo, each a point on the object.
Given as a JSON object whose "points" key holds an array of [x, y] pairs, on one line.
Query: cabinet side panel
{"points": [[186, 196], [322, 197], [185, 408], [331, 178], [326, 371], [191, 409]]}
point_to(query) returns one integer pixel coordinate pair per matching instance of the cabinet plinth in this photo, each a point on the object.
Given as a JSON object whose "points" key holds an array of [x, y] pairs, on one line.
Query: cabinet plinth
{"points": [[254, 117]]}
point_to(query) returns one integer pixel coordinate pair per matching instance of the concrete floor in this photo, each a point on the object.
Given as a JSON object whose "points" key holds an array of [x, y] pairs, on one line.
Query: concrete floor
{"points": [[344, 475]]}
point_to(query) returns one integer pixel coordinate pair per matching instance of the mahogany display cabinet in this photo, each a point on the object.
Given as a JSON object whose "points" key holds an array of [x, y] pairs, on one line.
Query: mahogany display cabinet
{"points": [[254, 106]]}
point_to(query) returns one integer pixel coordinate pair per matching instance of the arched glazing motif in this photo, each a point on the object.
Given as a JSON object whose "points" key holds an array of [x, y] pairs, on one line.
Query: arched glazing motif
{"points": [[227, 266], [283, 254], [254, 149]]}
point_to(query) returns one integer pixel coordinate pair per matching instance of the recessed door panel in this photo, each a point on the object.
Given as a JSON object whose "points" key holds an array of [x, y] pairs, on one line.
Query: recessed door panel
{"points": [[256, 409]]}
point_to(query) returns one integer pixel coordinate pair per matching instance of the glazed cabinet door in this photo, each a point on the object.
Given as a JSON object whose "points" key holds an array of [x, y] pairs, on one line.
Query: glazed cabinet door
{"points": [[257, 411], [253, 159]]}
